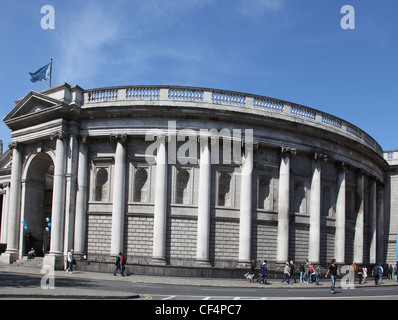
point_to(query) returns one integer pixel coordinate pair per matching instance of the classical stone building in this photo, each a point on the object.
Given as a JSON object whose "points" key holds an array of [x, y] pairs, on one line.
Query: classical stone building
{"points": [[190, 177]]}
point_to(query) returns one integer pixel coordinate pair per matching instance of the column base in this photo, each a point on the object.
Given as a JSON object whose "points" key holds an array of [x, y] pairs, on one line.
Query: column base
{"points": [[9, 257], [205, 263], [54, 261], [244, 263], [159, 261]]}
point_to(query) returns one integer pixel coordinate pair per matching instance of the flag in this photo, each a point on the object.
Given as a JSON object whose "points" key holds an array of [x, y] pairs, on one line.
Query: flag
{"points": [[42, 74]]}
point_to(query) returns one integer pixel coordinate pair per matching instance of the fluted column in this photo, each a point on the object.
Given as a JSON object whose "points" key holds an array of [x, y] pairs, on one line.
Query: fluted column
{"points": [[380, 224], [282, 254], [4, 215], [14, 222], [339, 249], [245, 219], [315, 209], [372, 220], [81, 197], [202, 246], [58, 205], [359, 222], [118, 191], [160, 208]]}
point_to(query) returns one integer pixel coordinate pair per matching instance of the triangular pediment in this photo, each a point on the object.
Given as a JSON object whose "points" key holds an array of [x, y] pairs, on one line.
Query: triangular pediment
{"points": [[32, 103]]}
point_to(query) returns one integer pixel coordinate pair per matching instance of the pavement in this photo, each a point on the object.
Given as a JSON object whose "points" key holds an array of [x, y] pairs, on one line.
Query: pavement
{"points": [[12, 291]]}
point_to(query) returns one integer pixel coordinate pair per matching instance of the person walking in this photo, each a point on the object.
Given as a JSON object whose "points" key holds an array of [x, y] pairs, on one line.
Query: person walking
{"points": [[381, 271], [333, 274], [364, 274], [306, 271], [69, 262], [302, 270], [317, 274], [360, 273], [375, 274], [286, 272], [263, 272], [119, 264], [250, 274], [292, 271]]}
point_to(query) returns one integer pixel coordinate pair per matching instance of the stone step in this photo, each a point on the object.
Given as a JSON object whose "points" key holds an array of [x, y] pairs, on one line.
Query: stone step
{"points": [[37, 262]]}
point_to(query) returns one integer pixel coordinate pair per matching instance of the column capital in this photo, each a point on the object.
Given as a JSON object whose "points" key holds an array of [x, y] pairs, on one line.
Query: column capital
{"points": [[342, 165], [320, 156], [15, 145], [293, 151], [59, 134], [118, 137], [83, 139]]}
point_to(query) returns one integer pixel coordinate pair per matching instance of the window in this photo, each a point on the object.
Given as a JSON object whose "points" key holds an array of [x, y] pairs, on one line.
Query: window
{"points": [[327, 208], [224, 189], [141, 185], [101, 185], [182, 187], [299, 201], [264, 194]]}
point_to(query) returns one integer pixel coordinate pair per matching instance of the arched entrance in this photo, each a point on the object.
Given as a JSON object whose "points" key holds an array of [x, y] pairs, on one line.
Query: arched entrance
{"points": [[38, 204]]}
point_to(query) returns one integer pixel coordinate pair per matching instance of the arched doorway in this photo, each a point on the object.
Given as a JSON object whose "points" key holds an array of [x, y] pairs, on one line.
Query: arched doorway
{"points": [[38, 204]]}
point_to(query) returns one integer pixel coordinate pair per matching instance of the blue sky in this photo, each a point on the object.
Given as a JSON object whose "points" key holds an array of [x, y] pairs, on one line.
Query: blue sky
{"points": [[294, 50]]}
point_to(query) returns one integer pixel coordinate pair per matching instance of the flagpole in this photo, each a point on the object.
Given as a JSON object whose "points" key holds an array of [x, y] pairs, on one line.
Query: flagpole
{"points": [[51, 71]]}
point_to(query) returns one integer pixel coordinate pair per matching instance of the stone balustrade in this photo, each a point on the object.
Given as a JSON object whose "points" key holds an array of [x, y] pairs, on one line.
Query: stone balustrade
{"points": [[243, 102]]}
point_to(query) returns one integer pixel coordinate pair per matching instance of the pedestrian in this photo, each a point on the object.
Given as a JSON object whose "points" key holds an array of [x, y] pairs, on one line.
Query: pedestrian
{"points": [[364, 274], [250, 274], [333, 274], [396, 272], [306, 270], [380, 272], [263, 272], [360, 273], [302, 270], [390, 272], [375, 274], [286, 272], [123, 258], [69, 262], [354, 267], [293, 271], [119, 264], [310, 272], [317, 274]]}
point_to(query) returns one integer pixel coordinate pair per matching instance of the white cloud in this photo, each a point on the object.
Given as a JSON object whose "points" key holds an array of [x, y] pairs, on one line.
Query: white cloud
{"points": [[121, 38], [82, 37], [256, 8]]}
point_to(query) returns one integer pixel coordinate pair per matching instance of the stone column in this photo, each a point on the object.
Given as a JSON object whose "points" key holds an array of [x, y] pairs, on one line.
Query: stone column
{"points": [[81, 197], [282, 254], [70, 190], [4, 215], [203, 237], [315, 209], [245, 223], [359, 222], [118, 208], [339, 249], [380, 224], [11, 254], [55, 258], [372, 220], [160, 208]]}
